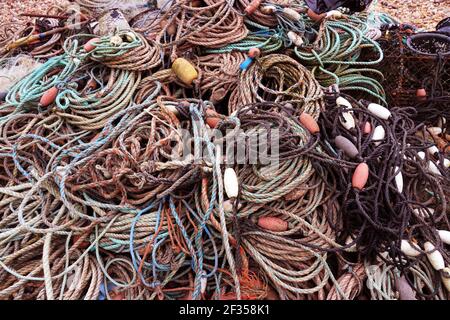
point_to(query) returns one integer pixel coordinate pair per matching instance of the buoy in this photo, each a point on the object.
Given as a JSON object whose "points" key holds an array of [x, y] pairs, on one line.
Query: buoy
{"points": [[435, 257], [309, 123], [130, 36], [334, 14], [421, 94], [446, 163], [445, 236], [116, 40], [295, 38], [251, 8], [246, 63], [212, 118], [433, 150], [379, 111], [347, 119], [421, 155], [273, 224], [404, 289], [347, 146], [408, 249], [378, 135], [445, 276], [291, 14], [433, 168], [231, 183], [48, 97], [367, 128], [212, 122], [89, 46], [184, 70], [341, 101], [434, 131], [398, 179], [254, 53], [172, 108], [360, 176], [268, 9]]}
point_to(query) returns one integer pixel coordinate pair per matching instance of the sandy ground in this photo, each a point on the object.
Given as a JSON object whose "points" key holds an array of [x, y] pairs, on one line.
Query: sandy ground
{"points": [[423, 13]]}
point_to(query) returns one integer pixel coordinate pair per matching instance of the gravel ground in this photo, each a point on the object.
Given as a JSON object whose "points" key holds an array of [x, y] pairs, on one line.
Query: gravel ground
{"points": [[10, 9], [423, 13]]}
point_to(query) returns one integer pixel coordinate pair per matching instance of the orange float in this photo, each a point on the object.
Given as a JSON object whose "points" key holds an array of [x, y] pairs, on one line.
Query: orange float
{"points": [[89, 46], [48, 97], [273, 224], [251, 8], [360, 176], [309, 123]]}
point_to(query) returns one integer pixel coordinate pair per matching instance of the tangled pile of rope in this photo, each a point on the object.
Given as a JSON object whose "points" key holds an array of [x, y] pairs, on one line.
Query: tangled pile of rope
{"points": [[213, 150]]}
